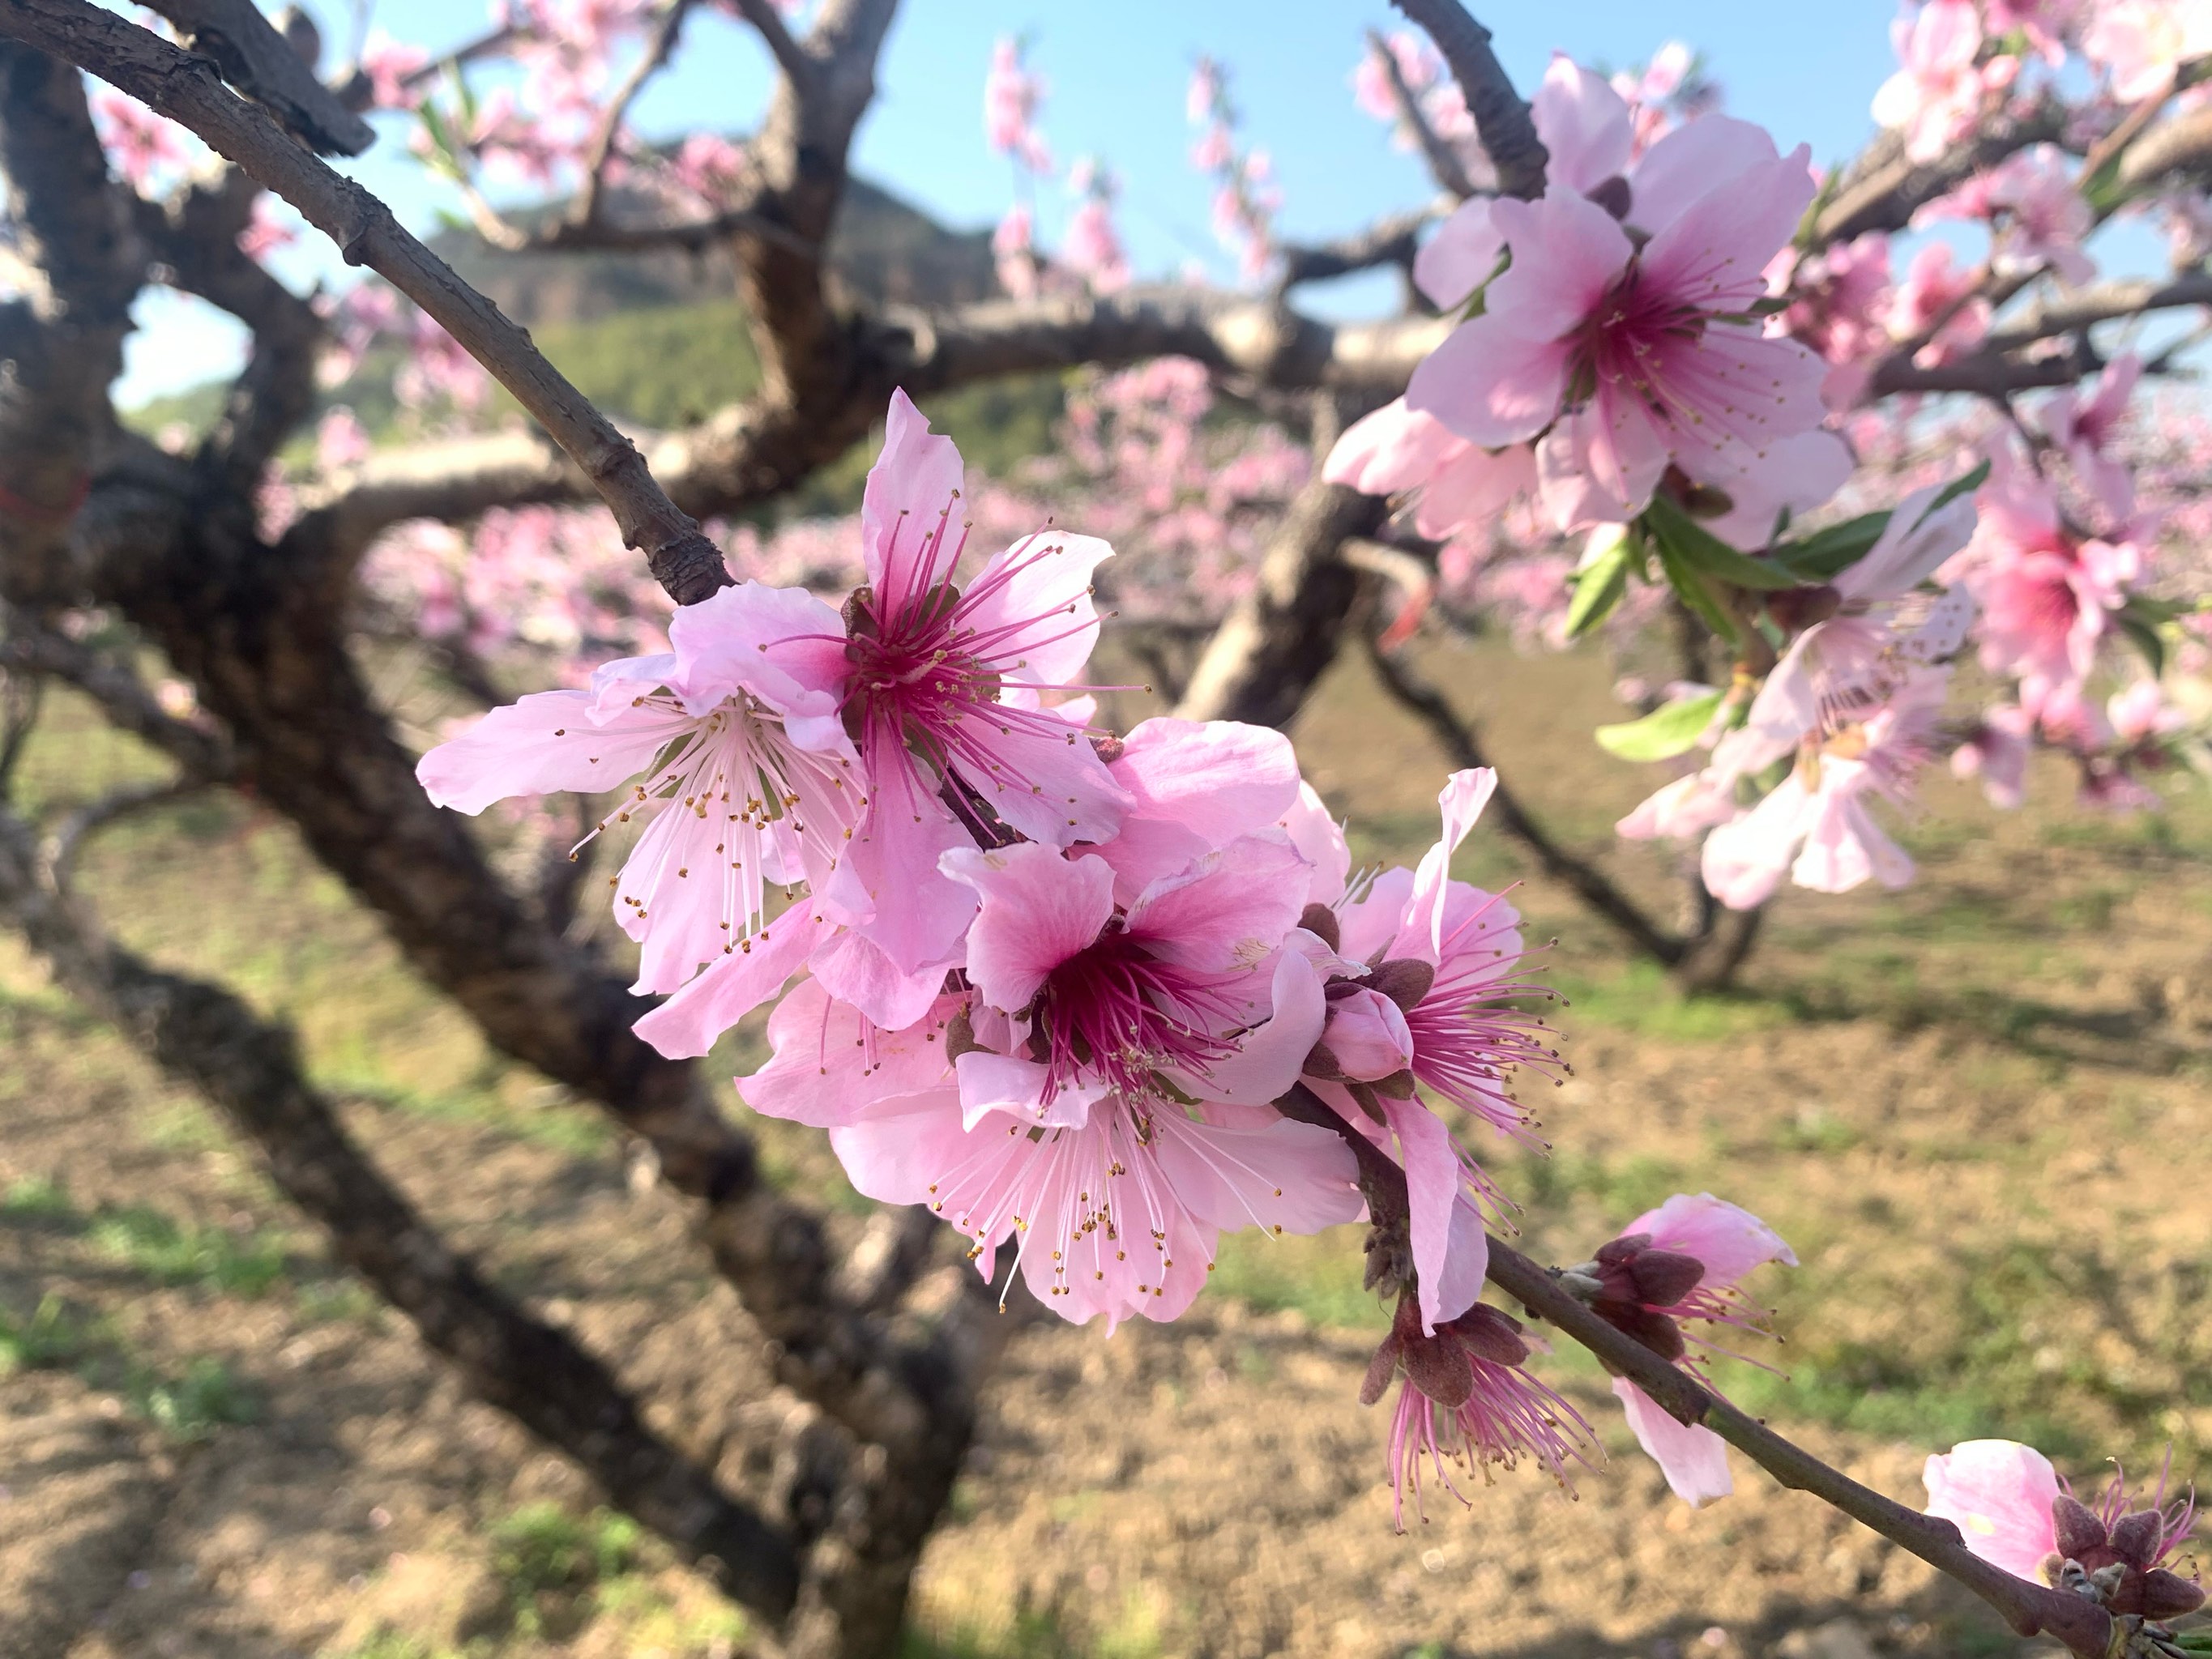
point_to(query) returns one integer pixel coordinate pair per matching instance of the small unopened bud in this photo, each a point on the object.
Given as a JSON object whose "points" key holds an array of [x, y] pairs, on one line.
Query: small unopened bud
{"points": [[1404, 980], [1795, 609], [1613, 195], [1108, 749], [1367, 1036], [1322, 1063], [1321, 922]]}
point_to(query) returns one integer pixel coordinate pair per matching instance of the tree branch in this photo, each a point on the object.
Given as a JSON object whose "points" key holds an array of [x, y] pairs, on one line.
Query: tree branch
{"points": [[1460, 744], [1884, 187], [1502, 120], [205, 1036], [1391, 241], [591, 201], [1444, 165], [241, 43], [2081, 1625], [789, 55], [185, 89]]}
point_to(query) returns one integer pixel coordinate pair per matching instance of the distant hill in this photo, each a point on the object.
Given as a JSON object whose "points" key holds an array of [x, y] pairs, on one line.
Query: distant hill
{"points": [[883, 251]]}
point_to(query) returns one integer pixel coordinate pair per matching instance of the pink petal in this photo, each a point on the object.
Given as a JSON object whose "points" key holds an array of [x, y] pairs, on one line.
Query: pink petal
{"points": [[1007, 1084], [1320, 841], [781, 644], [1031, 610], [890, 872], [1744, 860], [913, 484], [1691, 1456], [1730, 1240], [1460, 258], [547, 742], [1463, 797], [1694, 160], [1066, 792], [1270, 1056], [686, 1024], [1432, 1162], [1038, 909], [1194, 786], [1583, 124], [854, 969], [1567, 254], [1231, 909], [832, 1065], [1393, 449], [1287, 1177], [1998, 1493], [1491, 383], [1472, 488]]}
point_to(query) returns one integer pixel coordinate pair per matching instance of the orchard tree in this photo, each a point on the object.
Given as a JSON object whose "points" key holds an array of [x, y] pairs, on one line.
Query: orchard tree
{"points": [[1079, 999]]}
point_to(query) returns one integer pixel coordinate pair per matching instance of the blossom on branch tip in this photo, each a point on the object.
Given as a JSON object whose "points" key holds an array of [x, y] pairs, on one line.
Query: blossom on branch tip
{"points": [[2013, 1510], [1681, 1262], [1625, 334]]}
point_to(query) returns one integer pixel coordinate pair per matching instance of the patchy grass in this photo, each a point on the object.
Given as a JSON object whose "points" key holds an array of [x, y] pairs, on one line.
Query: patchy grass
{"points": [[170, 1252]]}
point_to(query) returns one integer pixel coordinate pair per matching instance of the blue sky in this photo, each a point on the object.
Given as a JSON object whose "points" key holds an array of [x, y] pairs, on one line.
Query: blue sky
{"points": [[1117, 69]]}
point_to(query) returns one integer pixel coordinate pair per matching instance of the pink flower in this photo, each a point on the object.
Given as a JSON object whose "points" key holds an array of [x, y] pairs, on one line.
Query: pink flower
{"points": [[1013, 247], [388, 64], [2013, 1510], [1681, 1262], [937, 678], [1837, 297], [1107, 1099], [2141, 713], [1012, 96], [1092, 246], [746, 778], [1814, 825], [2085, 428], [1623, 357], [2046, 597], [1936, 296], [1371, 83], [2140, 43], [1940, 92], [1996, 752], [1471, 1371], [1443, 957], [1460, 487], [1880, 629], [340, 441], [142, 145]]}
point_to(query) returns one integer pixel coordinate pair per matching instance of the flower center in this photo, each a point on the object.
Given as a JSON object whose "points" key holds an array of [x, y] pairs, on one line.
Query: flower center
{"points": [[1114, 1012]]}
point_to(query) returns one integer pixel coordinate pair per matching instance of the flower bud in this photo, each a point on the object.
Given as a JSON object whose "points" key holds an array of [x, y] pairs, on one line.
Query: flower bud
{"points": [[1367, 1036], [1321, 922], [1795, 609], [1404, 980]]}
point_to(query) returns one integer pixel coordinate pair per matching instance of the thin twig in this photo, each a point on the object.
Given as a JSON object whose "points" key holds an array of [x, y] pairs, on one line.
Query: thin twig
{"points": [[590, 204], [2029, 1608], [1459, 742], [1445, 163], [61, 846], [1501, 119]]}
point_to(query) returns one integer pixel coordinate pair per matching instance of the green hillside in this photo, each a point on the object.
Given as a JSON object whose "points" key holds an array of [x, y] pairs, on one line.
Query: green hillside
{"points": [[671, 366]]}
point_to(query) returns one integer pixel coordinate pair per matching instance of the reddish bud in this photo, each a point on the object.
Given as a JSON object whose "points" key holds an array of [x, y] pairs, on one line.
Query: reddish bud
{"points": [[1404, 980], [1321, 922]]}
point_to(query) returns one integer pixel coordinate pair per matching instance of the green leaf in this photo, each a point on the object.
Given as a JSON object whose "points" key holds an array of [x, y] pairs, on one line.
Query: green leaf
{"points": [[1962, 484], [1685, 580], [2143, 634], [1830, 552], [1598, 588], [1698, 548], [1664, 732]]}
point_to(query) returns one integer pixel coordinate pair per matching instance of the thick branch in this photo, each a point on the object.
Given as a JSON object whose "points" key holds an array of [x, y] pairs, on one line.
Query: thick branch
{"points": [[789, 55], [1464, 749], [1502, 120], [1884, 187], [1391, 241], [262, 63], [206, 1038], [1273, 648], [185, 89]]}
